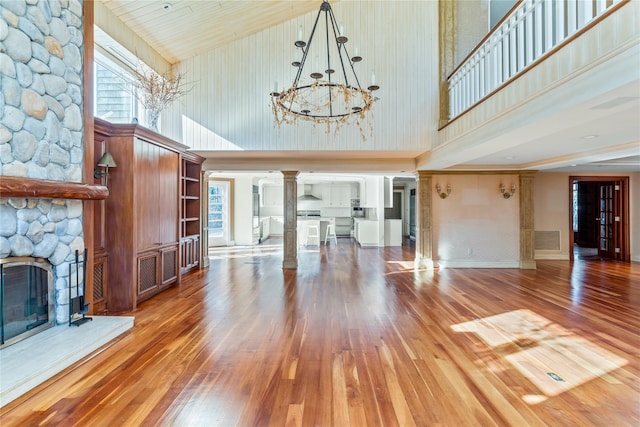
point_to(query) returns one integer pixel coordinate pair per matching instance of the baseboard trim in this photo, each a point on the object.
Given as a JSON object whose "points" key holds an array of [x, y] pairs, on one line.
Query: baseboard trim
{"points": [[476, 264], [550, 257]]}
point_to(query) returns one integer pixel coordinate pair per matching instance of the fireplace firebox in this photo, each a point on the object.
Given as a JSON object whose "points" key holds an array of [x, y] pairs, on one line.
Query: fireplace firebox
{"points": [[26, 298]]}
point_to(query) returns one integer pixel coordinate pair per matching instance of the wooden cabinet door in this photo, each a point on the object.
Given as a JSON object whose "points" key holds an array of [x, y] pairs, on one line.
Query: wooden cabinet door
{"points": [[168, 265], [168, 202]]}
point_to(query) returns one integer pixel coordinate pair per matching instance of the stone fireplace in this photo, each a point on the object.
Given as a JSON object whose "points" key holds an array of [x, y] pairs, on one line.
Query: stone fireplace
{"points": [[41, 134], [48, 229], [26, 298]]}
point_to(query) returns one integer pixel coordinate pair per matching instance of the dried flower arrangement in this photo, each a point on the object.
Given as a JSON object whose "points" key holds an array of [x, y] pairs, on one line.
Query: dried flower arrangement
{"points": [[156, 91]]}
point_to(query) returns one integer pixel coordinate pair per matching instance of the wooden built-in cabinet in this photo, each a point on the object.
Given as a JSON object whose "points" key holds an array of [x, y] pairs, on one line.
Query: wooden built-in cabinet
{"points": [[191, 208], [142, 221]]}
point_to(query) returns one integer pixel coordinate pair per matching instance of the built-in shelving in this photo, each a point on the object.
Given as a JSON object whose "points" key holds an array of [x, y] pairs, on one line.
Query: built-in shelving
{"points": [[190, 212]]}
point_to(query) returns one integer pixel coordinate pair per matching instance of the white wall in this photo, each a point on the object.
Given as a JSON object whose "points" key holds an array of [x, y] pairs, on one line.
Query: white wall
{"points": [[221, 112], [551, 211], [475, 226], [243, 210]]}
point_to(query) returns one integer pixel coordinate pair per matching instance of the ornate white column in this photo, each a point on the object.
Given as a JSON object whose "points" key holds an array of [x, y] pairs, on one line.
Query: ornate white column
{"points": [[424, 256], [527, 231], [290, 260]]}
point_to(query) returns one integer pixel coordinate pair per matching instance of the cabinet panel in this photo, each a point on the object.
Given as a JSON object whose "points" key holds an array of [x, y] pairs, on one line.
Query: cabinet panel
{"points": [[168, 200], [147, 191], [169, 267], [190, 249], [147, 274]]}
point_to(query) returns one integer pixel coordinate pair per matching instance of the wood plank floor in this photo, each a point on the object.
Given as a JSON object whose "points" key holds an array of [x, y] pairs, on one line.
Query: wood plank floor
{"points": [[355, 337]]}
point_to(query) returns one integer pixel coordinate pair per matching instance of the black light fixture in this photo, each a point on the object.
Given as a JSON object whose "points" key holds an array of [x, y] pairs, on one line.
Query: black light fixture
{"points": [[106, 162], [330, 95]]}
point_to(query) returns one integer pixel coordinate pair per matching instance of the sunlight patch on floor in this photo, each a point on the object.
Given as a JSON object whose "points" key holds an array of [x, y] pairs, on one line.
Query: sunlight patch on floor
{"points": [[405, 265], [230, 252], [550, 356]]}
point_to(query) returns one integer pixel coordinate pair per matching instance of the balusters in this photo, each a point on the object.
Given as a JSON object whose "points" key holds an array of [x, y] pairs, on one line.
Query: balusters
{"points": [[548, 20], [531, 31]]}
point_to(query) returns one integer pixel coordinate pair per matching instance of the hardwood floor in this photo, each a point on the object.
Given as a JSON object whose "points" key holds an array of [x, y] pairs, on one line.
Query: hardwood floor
{"points": [[355, 337]]}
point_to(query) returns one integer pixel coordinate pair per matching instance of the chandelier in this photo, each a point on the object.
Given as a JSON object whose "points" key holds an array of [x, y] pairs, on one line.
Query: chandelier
{"points": [[331, 92]]}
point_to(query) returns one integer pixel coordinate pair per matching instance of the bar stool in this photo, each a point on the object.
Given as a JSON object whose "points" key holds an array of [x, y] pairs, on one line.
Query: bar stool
{"points": [[313, 234], [331, 232]]}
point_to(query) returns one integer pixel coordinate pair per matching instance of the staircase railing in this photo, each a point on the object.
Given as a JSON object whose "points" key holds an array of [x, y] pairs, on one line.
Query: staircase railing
{"points": [[531, 30]]}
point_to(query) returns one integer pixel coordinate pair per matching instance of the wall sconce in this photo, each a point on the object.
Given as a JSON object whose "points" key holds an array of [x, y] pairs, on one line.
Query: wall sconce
{"points": [[106, 162], [506, 194], [442, 194]]}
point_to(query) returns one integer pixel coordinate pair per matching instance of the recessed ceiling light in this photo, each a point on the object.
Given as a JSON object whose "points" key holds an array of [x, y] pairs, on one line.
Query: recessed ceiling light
{"points": [[510, 157], [573, 165], [589, 136]]}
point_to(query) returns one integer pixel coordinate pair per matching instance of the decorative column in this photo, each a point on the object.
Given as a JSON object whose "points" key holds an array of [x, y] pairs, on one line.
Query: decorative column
{"points": [[424, 256], [290, 260], [527, 232], [447, 18]]}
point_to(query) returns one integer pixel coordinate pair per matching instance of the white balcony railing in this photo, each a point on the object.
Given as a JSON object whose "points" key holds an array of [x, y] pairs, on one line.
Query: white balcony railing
{"points": [[529, 32]]}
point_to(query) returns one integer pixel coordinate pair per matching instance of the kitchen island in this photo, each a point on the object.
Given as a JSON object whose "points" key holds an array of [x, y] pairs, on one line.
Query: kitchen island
{"points": [[305, 221]]}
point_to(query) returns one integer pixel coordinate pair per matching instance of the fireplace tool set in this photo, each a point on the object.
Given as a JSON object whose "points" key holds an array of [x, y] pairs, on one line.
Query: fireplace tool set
{"points": [[78, 308]]}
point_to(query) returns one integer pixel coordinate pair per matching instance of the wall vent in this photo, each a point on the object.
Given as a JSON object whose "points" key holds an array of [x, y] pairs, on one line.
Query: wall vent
{"points": [[547, 240]]}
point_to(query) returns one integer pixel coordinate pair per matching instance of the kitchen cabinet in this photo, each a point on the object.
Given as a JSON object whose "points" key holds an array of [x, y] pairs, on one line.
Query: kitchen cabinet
{"points": [[393, 232], [355, 190], [339, 195], [388, 191], [366, 232], [265, 231], [370, 194], [272, 195], [276, 225], [343, 226]]}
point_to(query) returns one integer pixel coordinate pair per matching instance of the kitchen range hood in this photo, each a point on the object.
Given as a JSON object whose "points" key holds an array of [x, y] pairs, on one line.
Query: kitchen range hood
{"points": [[308, 195]]}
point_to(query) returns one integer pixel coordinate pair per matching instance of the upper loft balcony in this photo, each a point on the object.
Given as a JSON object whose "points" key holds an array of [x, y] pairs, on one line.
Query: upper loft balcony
{"points": [[548, 74]]}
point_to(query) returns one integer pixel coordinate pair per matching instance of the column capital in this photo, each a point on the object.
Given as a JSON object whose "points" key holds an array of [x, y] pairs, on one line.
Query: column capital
{"points": [[424, 174], [290, 174]]}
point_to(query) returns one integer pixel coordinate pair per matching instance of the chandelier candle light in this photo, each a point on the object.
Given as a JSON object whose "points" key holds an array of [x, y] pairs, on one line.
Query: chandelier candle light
{"points": [[330, 97]]}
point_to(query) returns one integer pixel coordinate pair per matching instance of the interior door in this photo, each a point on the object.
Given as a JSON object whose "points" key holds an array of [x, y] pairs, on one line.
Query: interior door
{"points": [[412, 213], [611, 216], [588, 211], [606, 217]]}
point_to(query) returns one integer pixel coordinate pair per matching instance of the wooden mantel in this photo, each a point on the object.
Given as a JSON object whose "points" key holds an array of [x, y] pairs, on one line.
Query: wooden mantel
{"points": [[16, 186]]}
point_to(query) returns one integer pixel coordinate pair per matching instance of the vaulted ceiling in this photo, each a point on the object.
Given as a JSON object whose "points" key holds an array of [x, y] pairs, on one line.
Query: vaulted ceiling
{"points": [[577, 137], [181, 29]]}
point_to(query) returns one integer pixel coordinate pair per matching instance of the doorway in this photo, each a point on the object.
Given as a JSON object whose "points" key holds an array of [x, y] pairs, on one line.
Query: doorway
{"points": [[218, 223], [599, 218]]}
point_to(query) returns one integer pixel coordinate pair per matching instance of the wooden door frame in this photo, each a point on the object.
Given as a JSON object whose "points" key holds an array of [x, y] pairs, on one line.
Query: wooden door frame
{"points": [[625, 254]]}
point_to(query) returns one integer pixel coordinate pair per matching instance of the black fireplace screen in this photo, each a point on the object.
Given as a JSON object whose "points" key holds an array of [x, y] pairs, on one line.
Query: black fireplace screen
{"points": [[24, 297]]}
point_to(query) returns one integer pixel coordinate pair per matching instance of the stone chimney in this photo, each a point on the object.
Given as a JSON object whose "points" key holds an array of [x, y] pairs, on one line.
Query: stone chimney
{"points": [[41, 130]]}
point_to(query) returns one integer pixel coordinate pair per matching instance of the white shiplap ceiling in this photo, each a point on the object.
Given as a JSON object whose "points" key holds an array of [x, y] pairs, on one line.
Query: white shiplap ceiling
{"points": [[181, 29]]}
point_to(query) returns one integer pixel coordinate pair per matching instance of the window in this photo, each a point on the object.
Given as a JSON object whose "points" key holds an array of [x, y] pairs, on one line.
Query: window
{"points": [[216, 210], [113, 99]]}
